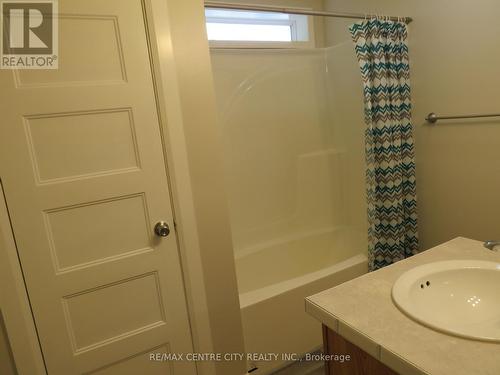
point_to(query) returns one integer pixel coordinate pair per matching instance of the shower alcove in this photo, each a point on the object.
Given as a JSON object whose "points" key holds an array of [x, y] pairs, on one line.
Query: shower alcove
{"points": [[292, 130]]}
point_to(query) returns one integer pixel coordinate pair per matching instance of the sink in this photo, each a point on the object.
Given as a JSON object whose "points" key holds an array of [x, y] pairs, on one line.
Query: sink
{"points": [[459, 297]]}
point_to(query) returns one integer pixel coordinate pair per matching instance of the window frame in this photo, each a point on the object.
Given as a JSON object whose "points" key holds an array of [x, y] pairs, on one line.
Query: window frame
{"points": [[243, 44]]}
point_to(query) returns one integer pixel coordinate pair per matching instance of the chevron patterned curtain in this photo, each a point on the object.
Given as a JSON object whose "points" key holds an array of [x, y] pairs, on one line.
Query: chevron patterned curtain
{"points": [[382, 51]]}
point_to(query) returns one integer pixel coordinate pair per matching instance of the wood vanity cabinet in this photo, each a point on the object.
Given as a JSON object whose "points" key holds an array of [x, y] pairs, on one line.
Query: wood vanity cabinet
{"points": [[360, 363]]}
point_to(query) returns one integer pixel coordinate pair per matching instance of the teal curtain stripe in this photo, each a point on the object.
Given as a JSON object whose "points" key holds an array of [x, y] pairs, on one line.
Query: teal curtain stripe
{"points": [[378, 50], [383, 89]]}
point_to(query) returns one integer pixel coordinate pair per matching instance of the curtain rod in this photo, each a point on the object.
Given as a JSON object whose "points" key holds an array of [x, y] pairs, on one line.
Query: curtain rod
{"points": [[307, 12]]}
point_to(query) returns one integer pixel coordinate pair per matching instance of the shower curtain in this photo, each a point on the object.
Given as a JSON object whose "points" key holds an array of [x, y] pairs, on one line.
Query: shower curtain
{"points": [[382, 51]]}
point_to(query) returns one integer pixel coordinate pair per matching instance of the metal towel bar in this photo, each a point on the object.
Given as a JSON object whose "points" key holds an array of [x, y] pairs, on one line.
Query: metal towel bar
{"points": [[433, 118]]}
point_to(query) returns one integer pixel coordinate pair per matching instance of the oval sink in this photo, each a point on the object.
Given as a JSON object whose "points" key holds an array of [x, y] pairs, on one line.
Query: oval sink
{"points": [[460, 297]]}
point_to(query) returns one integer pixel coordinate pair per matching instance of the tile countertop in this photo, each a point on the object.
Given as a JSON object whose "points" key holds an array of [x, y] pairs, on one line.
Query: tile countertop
{"points": [[362, 311]]}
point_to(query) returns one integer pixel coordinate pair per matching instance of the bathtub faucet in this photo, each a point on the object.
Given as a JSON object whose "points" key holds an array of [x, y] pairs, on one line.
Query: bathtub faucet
{"points": [[491, 245]]}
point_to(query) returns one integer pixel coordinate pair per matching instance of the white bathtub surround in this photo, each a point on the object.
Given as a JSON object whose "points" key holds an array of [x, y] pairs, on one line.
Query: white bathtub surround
{"points": [[292, 166], [275, 278], [273, 316], [289, 259], [362, 311], [295, 183]]}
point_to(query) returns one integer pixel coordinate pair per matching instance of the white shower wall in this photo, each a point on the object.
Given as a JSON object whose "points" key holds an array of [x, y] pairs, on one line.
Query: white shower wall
{"points": [[346, 115], [290, 170]]}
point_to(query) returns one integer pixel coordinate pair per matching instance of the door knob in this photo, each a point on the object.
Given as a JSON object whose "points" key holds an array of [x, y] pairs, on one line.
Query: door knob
{"points": [[162, 229]]}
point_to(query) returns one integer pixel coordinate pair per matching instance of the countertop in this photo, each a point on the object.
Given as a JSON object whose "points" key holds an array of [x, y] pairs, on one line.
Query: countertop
{"points": [[362, 311]]}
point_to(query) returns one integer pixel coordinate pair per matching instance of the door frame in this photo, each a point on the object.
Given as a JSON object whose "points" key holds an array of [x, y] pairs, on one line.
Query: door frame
{"points": [[14, 303], [185, 93]]}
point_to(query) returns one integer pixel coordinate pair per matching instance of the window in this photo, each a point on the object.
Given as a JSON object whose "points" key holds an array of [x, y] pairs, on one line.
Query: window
{"points": [[241, 28]]}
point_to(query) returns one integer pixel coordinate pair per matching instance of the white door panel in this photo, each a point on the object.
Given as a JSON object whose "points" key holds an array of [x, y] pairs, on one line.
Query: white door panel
{"points": [[84, 176]]}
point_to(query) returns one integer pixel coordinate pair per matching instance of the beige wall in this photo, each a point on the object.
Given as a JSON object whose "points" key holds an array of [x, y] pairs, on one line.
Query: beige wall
{"points": [[454, 70]]}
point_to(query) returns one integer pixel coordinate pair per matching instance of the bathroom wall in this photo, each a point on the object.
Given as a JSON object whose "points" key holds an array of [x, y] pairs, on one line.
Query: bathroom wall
{"points": [[454, 70]]}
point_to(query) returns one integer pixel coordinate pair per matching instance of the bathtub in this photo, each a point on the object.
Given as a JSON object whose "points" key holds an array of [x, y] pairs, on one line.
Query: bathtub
{"points": [[274, 278]]}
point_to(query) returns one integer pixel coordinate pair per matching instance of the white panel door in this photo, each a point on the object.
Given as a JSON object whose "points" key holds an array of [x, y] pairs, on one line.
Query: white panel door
{"points": [[83, 170]]}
